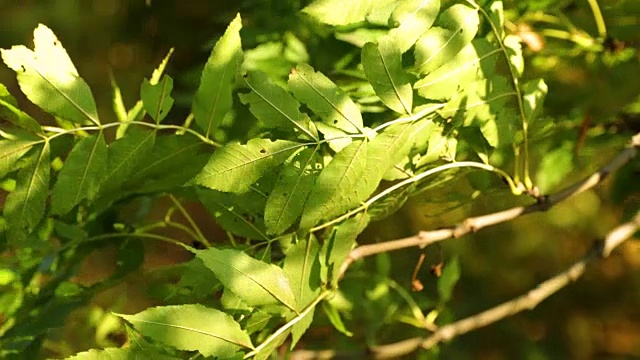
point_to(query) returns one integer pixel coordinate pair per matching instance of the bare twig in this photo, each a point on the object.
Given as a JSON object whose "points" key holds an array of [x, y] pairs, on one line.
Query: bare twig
{"points": [[473, 224], [525, 302]]}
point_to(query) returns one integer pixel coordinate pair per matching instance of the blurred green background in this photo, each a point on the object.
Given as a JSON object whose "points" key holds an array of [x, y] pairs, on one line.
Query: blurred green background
{"points": [[593, 99]]}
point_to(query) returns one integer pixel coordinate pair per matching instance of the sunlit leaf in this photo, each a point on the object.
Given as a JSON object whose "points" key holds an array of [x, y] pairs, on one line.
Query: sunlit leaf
{"points": [[274, 106], [336, 138], [24, 207], [213, 98], [255, 282], [382, 64], [340, 243], [294, 184], [48, 78], [325, 99], [82, 174], [232, 215], [9, 110], [475, 61], [338, 187], [454, 29], [192, 327], [339, 12], [234, 167], [412, 18], [384, 151], [156, 99], [119, 354]]}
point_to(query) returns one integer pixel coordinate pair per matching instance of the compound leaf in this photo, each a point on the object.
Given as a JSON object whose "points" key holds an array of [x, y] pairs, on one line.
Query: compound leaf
{"points": [[213, 98], [338, 187], [192, 327], [255, 282], [457, 26], [274, 106], [48, 78], [234, 167], [325, 99], [156, 98], [82, 174], [25, 205], [286, 201], [382, 64]]}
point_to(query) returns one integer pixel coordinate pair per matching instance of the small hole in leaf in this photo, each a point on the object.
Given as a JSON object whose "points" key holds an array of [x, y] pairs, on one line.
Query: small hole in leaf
{"points": [[262, 151], [461, 30], [285, 194], [23, 68], [335, 121]]}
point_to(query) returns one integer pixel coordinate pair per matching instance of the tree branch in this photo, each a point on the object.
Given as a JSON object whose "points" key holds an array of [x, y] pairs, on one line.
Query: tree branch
{"points": [[527, 301], [473, 224]]}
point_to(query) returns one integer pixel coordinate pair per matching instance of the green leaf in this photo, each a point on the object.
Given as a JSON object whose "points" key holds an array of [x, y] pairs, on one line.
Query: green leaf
{"points": [[286, 201], [382, 64], [125, 155], [334, 317], [230, 213], [48, 78], [10, 152], [274, 106], [24, 207], [325, 99], [448, 280], [302, 267], [556, 164], [156, 99], [192, 327], [173, 161], [457, 26], [412, 18], [235, 167], [338, 187], [10, 111], [82, 174], [213, 98], [336, 138], [255, 282], [338, 12], [119, 354], [384, 151], [342, 240], [533, 94], [475, 61]]}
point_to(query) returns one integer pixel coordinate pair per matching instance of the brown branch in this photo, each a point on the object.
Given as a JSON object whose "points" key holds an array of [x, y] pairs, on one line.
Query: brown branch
{"points": [[527, 301], [473, 224]]}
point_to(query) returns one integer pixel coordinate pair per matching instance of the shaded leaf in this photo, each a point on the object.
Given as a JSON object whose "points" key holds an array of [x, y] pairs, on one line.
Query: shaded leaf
{"points": [[82, 174], [156, 99], [48, 78], [24, 207], [286, 201], [192, 327], [342, 240], [274, 106], [383, 152], [382, 64], [125, 155], [448, 280], [213, 98], [456, 27], [555, 165], [412, 18], [232, 215], [10, 111], [334, 317], [255, 282], [325, 99], [235, 167], [338, 187], [338, 12], [11, 151]]}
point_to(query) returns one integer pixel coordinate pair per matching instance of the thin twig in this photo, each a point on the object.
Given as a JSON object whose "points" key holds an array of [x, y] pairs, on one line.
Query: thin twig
{"points": [[473, 224]]}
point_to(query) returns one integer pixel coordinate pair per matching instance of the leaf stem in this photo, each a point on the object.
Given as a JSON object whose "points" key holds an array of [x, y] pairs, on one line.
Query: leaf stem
{"points": [[289, 324], [597, 16], [193, 224], [417, 178]]}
